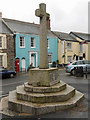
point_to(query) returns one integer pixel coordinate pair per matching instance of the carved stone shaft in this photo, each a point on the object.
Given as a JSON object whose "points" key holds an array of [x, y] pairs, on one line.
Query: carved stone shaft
{"points": [[41, 12]]}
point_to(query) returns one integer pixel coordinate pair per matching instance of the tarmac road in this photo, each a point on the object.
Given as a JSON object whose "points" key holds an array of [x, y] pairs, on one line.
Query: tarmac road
{"points": [[10, 84]]}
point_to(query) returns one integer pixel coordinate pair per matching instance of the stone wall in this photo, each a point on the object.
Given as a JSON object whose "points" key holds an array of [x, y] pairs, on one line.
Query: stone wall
{"points": [[10, 52]]}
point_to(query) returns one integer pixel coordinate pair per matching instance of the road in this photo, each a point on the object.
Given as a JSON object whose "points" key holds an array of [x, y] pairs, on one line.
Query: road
{"points": [[80, 83], [10, 84]]}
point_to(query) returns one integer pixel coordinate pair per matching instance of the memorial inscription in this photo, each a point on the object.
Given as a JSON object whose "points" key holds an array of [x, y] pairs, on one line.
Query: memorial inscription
{"points": [[53, 76]]}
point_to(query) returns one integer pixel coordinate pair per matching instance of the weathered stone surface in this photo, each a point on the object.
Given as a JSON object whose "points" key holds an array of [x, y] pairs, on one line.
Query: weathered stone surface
{"points": [[43, 77], [71, 102], [54, 88], [43, 108], [13, 105], [38, 99], [27, 108], [10, 51], [45, 97], [41, 12]]}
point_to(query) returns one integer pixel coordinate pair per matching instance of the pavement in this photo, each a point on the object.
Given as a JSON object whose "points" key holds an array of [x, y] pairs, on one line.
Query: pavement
{"points": [[79, 112]]}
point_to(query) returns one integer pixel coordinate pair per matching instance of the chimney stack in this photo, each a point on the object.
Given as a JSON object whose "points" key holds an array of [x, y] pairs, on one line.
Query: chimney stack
{"points": [[0, 15]]}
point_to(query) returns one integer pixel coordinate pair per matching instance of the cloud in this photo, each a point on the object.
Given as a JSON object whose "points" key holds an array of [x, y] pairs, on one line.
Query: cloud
{"points": [[65, 14]]}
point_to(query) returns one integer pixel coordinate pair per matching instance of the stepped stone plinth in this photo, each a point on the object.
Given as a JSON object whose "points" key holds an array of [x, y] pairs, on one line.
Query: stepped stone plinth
{"points": [[45, 97], [54, 88], [58, 97], [33, 100]]}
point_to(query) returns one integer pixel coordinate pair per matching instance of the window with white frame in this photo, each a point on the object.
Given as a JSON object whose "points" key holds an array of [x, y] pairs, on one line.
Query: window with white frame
{"points": [[32, 42], [69, 59], [3, 60], [69, 46], [0, 60], [22, 42], [0, 42], [49, 58]]}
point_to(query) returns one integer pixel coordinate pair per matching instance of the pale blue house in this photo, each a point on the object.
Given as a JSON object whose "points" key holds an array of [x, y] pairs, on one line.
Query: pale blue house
{"points": [[27, 42]]}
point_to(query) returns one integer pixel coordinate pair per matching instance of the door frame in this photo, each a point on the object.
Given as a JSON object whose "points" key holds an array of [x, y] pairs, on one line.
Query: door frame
{"points": [[23, 69], [32, 52]]}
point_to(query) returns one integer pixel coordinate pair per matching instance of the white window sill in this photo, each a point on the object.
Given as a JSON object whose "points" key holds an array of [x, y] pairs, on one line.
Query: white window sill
{"points": [[50, 63], [22, 47], [69, 50], [33, 47]]}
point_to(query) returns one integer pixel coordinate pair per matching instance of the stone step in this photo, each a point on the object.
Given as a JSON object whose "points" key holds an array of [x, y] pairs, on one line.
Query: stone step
{"points": [[55, 88], [45, 97], [37, 109]]}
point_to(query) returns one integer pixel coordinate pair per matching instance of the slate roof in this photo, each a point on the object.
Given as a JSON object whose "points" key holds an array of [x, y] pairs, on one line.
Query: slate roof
{"points": [[64, 36], [17, 26], [5, 29], [82, 36]]}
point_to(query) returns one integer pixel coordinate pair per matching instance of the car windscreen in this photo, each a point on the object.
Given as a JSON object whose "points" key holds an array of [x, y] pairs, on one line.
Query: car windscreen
{"points": [[80, 62], [3, 70], [75, 63]]}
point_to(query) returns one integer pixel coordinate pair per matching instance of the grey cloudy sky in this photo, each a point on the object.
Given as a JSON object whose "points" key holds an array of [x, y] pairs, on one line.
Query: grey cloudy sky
{"points": [[65, 15]]}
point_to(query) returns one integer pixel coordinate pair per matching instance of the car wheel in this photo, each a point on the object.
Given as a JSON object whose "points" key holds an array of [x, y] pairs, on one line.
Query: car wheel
{"points": [[73, 72], [11, 75]]}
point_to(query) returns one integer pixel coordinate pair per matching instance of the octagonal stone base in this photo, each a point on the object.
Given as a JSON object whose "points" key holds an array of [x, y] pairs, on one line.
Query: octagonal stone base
{"points": [[57, 97]]}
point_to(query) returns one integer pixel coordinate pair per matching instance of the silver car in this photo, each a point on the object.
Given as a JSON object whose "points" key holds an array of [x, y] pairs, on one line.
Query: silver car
{"points": [[70, 68]]}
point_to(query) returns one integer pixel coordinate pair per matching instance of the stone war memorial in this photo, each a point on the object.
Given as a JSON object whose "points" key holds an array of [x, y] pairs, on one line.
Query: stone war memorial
{"points": [[44, 92]]}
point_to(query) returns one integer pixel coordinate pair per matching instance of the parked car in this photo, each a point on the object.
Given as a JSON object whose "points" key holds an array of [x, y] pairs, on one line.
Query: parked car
{"points": [[4, 73], [70, 68]]}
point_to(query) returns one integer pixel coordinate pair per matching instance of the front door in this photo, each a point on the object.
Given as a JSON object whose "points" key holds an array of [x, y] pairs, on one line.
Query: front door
{"points": [[17, 65], [23, 64], [33, 60]]}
